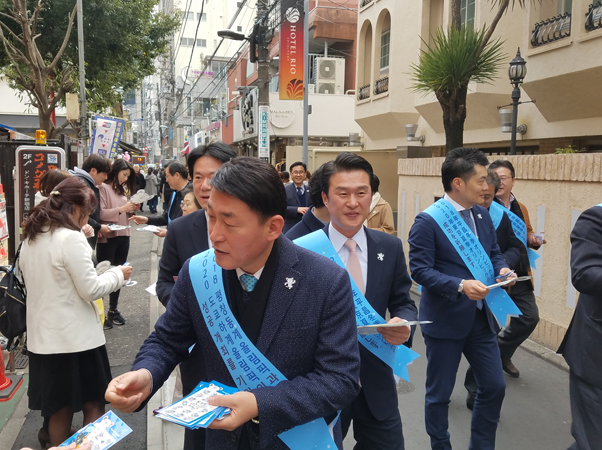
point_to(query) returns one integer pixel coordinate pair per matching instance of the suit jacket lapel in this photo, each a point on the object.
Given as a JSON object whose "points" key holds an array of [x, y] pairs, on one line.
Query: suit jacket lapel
{"points": [[280, 296], [374, 271], [199, 230]]}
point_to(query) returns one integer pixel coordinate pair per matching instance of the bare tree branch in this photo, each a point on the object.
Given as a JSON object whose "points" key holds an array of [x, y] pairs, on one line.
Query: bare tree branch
{"points": [[15, 37], [65, 40], [36, 15]]}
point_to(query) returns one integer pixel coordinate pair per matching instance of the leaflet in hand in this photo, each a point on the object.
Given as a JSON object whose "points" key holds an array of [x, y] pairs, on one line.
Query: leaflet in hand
{"points": [[372, 329], [193, 411], [151, 228], [140, 197], [115, 227], [504, 283], [102, 434]]}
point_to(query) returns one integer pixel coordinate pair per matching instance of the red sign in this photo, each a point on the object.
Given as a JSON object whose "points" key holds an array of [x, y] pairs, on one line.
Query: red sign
{"points": [[291, 51]]}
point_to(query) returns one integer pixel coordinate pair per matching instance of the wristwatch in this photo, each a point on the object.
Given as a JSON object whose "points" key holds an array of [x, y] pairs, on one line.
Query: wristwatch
{"points": [[461, 287]]}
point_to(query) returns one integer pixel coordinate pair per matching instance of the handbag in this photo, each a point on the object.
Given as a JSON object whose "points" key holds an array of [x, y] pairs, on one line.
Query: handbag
{"points": [[13, 296]]}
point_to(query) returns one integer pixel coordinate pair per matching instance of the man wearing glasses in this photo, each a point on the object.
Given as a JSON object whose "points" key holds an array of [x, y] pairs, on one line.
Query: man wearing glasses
{"points": [[520, 327], [297, 196]]}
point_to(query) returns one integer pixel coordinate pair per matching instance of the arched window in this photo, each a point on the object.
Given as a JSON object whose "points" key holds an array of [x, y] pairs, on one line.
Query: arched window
{"points": [[365, 54]]}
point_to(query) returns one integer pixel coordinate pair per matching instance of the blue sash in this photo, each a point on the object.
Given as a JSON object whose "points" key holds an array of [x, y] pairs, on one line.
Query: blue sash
{"points": [[395, 356], [248, 367], [173, 197], [474, 256], [518, 226]]}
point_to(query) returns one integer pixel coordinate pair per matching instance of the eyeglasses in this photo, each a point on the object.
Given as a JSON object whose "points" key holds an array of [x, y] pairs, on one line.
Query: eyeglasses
{"points": [[504, 179], [298, 173]]}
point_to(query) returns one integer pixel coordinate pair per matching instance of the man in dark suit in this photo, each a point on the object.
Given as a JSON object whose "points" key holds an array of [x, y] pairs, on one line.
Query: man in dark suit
{"points": [[377, 264], [177, 178], [511, 248], [581, 345], [454, 301], [317, 353], [317, 217], [186, 237], [297, 196]]}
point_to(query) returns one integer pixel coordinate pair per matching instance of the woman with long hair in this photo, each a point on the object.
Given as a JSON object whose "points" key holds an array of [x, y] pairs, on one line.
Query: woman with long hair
{"points": [[116, 209], [69, 367]]}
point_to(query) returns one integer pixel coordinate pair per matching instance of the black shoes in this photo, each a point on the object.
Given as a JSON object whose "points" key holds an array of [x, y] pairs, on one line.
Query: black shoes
{"points": [[113, 318], [509, 368]]}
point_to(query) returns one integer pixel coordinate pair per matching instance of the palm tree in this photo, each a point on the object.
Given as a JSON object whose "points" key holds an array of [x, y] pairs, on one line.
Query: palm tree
{"points": [[446, 68], [454, 60]]}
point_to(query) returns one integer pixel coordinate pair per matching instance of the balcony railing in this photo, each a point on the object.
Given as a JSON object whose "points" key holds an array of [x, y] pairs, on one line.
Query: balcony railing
{"points": [[363, 92], [593, 18], [381, 85], [365, 2], [551, 30]]}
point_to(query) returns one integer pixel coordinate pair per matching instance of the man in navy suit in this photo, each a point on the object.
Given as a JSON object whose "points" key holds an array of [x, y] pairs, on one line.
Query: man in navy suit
{"points": [[377, 264], [581, 345], [299, 313], [453, 300], [317, 217], [186, 237], [297, 196]]}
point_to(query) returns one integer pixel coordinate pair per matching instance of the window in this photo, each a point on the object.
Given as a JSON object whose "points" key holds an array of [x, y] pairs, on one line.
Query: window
{"points": [[467, 8], [239, 28], [385, 39], [198, 107], [187, 42], [188, 106], [201, 42], [188, 16], [250, 68], [201, 17]]}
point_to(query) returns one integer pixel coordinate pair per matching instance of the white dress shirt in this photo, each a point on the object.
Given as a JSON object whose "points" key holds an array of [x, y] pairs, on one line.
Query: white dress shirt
{"points": [[338, 242], [459, 208], [240, 272], [208, 234]]}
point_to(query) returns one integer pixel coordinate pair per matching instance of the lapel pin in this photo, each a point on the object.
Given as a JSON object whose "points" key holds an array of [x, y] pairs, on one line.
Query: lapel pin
{"points": [[289, 283], [479, 216], [381, 256]]}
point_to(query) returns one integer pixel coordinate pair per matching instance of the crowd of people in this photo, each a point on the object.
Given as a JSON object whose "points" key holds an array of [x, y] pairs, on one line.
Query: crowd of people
{"points": [[286, 316]]}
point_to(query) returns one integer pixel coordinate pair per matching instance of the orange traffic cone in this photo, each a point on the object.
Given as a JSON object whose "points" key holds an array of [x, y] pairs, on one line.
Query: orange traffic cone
{"points": [[8, 384]]}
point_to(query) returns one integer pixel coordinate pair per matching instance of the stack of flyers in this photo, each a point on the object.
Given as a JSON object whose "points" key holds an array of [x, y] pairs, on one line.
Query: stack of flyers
{"points": [[193, 411], [102, 434]]}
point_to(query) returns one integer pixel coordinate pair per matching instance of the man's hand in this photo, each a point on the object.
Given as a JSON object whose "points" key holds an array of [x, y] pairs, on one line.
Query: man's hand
{"points": [[302, 210], [395, 335], [243, 407], [139, 219], [127, 392], [535, 241], [504, 271], [161, 233], [104, 230], [475, 290]]}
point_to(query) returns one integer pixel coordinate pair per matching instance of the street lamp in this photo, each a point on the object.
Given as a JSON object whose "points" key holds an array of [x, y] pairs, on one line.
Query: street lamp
{"points": [[516, 72]]}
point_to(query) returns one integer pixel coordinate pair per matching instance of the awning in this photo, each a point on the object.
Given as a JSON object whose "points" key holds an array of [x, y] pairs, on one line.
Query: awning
{"points": [[130, 148]]}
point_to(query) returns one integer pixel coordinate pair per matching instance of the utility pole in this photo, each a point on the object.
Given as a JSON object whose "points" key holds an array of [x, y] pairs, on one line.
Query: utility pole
{"points": [[82, 77], [263, 77]]}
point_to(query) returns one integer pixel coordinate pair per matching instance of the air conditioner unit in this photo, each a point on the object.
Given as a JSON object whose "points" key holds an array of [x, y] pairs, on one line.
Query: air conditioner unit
{"points": [[330, 75]]}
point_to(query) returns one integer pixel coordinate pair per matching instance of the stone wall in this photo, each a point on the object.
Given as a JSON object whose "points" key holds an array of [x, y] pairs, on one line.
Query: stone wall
{"points": [[555, 189]]}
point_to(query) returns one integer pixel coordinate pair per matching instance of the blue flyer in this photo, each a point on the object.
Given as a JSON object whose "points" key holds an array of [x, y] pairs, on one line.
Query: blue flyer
{"points": [[102, 434]]}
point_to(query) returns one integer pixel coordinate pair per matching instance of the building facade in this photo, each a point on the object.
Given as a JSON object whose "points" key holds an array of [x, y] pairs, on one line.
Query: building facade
{"points": [[559, 40]]}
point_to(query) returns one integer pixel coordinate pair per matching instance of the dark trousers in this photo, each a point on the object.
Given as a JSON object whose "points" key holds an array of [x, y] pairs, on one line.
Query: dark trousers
{"points": [[369, 432], [443, 358], [152, 203], [521, 327], [115, 250], [586, 409]]}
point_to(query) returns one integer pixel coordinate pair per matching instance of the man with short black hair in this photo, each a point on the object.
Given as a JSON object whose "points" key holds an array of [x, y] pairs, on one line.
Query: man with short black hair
{"points": [[521, 327], [376, 262], [318, 216], [94, 172], [177, 177], [270, 290], [298, 200], [444, 241], [186, 237]]}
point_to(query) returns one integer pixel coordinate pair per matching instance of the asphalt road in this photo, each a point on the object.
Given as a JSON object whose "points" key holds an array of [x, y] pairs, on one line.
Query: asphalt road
{"points": [[123, 343]]}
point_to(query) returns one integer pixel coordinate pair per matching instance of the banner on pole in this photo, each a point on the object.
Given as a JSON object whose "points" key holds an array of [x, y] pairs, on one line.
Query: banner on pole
{"points": [[107, 135], [264, 132], [291, 50]]}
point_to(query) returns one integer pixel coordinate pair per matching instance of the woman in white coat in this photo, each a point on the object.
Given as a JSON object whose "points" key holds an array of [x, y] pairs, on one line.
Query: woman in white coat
{"points": [[69, 366]]}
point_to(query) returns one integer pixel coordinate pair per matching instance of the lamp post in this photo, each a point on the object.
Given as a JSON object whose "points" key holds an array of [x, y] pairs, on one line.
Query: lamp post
{"points": [[516, 73]]}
